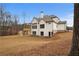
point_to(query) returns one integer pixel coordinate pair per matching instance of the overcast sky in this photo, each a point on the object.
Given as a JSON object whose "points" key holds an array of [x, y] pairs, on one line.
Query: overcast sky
{"points": [[63, 10]]}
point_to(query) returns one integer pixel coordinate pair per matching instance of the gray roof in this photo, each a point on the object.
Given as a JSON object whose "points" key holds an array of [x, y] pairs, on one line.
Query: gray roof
{"points": [[46, 18], [62, 22]]}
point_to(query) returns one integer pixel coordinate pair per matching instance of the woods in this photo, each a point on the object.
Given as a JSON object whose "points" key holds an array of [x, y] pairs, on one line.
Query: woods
{"points": [[8, 22]]}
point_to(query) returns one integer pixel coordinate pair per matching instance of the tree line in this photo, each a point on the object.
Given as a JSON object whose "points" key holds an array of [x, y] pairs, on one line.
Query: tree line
{"points": [[8, 22]]}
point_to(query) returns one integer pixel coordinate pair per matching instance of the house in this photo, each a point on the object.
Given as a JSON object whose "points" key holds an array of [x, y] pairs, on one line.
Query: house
{"points": [[47, 25], [61, 26]]}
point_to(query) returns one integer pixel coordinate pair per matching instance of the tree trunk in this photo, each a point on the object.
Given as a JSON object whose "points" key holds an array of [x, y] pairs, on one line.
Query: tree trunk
{"points": [[75, 42]]}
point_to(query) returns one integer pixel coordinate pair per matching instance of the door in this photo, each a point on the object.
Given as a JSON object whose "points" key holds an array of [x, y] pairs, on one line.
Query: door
{"points": [[42, 33], [49, 34]]}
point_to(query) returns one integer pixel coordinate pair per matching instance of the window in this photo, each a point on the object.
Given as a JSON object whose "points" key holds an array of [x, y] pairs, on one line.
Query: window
{"points": [[42, 26], [34, 27], [48, 23], [41, 33], [34, 32]]}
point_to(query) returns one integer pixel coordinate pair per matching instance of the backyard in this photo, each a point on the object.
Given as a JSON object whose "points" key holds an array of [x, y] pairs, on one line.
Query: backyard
{"points": [[13, 45]]}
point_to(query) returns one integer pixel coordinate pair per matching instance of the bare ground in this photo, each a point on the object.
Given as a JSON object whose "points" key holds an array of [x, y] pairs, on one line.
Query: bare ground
{"points": [[27, 45]]}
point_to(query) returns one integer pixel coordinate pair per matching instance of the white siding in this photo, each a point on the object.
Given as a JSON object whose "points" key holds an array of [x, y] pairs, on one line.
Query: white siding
{"points": [[36, 23], [56, 20], [61, 27], [54, 27], [42, 29], [49, 26]]}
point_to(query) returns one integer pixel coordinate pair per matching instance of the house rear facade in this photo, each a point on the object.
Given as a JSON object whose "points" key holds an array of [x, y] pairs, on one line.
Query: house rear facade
{"points": [[47, 25]]}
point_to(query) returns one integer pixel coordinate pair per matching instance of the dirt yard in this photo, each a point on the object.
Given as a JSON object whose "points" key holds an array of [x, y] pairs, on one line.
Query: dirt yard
{"points": [[27, 45]]}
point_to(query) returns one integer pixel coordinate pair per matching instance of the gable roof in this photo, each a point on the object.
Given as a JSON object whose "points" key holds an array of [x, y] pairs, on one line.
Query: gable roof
{"points": [[46, 18]]}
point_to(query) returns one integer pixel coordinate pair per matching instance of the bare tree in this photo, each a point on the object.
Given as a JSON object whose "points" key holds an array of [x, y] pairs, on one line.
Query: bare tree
{"points": [[1, 20], [24, 18], [6, 22], [75, 42]]}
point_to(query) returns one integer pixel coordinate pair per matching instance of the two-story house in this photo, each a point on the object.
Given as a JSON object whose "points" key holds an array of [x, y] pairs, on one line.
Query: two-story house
{"points": [[47, 25]]}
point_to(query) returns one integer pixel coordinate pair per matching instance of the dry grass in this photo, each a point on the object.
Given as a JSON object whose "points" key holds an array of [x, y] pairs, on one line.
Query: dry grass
{"points": [[27, 45]]}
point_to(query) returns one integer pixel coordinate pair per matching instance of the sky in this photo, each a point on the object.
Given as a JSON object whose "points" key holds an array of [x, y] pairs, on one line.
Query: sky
{"points": [[63, 10]]}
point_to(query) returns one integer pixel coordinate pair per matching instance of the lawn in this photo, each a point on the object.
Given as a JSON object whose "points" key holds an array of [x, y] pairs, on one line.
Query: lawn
{"points": [[59, 44]]}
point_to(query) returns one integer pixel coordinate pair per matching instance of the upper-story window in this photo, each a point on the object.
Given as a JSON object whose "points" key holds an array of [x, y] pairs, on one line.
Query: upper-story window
{"points": [[49, 23], [42, 26], [34, 27]]}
